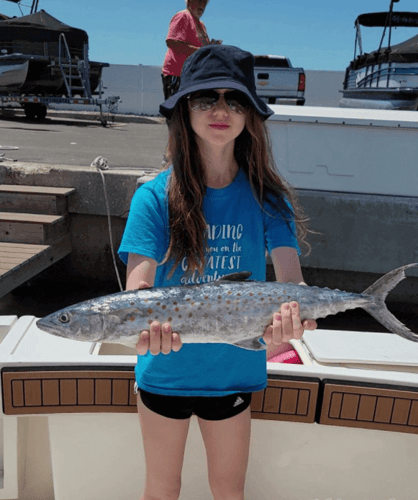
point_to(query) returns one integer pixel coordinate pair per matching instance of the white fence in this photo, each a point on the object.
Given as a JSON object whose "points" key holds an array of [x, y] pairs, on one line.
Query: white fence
{"points": [[141, 92]]}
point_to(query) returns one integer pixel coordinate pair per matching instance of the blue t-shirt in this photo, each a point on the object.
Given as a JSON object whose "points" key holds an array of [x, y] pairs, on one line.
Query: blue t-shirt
{"points": [[238, 234]]}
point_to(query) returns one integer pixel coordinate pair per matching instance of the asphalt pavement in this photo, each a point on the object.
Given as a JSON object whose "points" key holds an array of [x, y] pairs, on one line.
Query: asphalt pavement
{"points": [[71, 138]]}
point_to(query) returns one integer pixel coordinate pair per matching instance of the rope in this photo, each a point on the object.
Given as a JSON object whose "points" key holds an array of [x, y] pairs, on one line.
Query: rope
{"points": [[102, 164]]}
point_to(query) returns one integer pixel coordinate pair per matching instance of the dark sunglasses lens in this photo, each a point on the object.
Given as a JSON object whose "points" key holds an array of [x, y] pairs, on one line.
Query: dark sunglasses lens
{"points": [[237, 101], [205, 100]]}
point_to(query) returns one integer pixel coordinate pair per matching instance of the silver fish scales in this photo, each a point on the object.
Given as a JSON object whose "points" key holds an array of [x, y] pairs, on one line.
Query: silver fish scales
{"points": [[232, 310]]}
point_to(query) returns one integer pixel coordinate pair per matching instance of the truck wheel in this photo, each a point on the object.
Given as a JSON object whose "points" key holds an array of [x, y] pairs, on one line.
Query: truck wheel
{"points": [[41, 111], [30, 111], [35, 110]]}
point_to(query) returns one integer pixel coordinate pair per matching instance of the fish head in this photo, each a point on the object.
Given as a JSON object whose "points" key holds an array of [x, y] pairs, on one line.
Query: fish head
{"points": [[75, 323]]}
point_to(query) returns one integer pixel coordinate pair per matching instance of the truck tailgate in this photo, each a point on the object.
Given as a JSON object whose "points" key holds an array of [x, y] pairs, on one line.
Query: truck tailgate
{"points": [[285, 81]]}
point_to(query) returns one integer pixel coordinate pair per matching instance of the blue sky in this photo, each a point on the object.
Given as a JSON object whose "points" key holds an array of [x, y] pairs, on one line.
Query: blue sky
{"points": [[314, 34]]}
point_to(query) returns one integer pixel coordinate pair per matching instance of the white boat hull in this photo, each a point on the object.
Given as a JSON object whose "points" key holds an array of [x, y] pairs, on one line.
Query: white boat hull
{"points": [[382, 86], [13, 74], [71, 428]]}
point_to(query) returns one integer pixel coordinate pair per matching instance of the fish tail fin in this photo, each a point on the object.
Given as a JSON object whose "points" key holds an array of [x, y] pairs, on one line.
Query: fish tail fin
{"points": [[379, 291]]}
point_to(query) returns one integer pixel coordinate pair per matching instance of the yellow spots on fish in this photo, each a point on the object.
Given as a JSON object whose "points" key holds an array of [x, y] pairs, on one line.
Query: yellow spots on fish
{"points": [[150, 311], [228, 301], [251, 294], [163, 306], [260, 293], [158, 303], [188, 299], [192, 303], [146, 300], [170, 319], [175, 303], [131, 318], [177, 309], [229, 292]]}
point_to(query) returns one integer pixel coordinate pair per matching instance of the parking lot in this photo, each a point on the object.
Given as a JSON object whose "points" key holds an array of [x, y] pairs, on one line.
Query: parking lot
{"points": [[75, 141]]}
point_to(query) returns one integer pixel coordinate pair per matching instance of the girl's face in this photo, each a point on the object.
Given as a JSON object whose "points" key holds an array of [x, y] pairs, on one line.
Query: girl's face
{"points": [[219, 125]]}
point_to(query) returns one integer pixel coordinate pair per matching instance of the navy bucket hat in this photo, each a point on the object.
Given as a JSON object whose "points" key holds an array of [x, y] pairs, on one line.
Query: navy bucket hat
{"points": [[218, 67]]}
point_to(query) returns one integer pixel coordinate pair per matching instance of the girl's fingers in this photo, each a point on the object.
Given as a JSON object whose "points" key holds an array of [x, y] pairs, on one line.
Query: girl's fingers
{"points": [[143, 343], [287, 326], [277, 333], [155, 338], [310, 324], [268, 335], [176, 342], [166, 338], [159, 339], [296, 321]]}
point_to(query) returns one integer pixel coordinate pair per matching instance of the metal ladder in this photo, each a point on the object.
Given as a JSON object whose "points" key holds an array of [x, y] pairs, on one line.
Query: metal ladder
{"points": [[74, 71]]}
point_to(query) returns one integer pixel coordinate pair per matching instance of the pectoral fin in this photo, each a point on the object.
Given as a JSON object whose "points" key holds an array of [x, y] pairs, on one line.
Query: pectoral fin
{"points": [[252, 344]]}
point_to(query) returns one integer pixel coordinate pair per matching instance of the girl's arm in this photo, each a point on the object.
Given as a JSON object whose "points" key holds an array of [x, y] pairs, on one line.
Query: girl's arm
{"points": [[287, 323], [159, 339]]}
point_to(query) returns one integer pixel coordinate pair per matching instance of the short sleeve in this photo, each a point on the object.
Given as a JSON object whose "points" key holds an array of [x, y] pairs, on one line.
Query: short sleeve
{"points": [[146, 231], [179, 27], [279, 232]]}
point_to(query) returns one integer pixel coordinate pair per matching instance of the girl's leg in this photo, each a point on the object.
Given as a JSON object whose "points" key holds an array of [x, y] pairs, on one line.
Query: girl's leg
{"points": [[164, 443], [227, 445]]}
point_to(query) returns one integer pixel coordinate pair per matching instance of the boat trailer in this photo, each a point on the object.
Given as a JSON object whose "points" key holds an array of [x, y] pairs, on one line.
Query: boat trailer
{"points": [[36, 106]]}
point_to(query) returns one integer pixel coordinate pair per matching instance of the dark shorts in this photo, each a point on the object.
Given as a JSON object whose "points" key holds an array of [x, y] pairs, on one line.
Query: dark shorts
{"points": [[171, 85], [208, 408]]}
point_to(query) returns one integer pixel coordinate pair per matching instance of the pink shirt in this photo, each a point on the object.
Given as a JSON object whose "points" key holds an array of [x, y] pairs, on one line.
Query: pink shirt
{"points": [[184, 27]]}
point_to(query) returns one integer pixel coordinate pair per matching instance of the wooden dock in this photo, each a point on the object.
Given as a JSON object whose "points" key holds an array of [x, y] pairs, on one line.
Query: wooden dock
{"points": [[34, 231]]}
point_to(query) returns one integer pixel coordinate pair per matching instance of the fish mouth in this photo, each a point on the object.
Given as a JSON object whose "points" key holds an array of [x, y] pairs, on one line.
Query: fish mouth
{"points": [[47, 327], [43, 326]]}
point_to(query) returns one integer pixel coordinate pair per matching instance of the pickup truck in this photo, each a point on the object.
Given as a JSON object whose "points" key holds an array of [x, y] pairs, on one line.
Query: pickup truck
{"points": [[277, 82]]}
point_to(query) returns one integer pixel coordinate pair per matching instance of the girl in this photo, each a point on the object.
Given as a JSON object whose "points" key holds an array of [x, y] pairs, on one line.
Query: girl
{"points": [[214, 211]]}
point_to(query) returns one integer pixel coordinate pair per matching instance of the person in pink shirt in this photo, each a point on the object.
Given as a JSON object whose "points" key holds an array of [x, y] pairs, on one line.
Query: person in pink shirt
{"points": [[186, 34]]}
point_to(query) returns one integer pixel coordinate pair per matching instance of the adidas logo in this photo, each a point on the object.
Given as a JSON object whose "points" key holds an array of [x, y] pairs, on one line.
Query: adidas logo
{"points": [[238, 401]]}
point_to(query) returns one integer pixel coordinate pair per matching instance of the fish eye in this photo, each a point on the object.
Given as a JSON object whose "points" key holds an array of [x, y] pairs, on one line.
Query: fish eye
{"points": [[64, 318]]}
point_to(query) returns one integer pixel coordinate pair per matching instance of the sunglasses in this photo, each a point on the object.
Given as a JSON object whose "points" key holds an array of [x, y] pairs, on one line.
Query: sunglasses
{"points": [[207, 99]]}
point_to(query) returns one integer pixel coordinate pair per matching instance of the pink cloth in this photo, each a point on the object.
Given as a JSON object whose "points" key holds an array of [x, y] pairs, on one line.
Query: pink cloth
{"points": [[291, 357], [184, 28]]}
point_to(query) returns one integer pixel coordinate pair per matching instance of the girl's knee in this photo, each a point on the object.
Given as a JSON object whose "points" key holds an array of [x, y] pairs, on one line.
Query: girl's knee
{"points": [[227, 487], [155, 490]]}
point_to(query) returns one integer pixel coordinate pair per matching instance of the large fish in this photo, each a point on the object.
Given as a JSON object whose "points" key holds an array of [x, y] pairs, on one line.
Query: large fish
{"points": [[232, 310]]}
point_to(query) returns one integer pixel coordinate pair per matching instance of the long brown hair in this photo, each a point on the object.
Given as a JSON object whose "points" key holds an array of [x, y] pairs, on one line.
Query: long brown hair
{"points": [[186, 192]]}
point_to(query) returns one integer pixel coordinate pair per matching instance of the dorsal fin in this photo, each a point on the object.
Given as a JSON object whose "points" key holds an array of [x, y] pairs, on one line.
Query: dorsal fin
{"points": [[241, 276]]}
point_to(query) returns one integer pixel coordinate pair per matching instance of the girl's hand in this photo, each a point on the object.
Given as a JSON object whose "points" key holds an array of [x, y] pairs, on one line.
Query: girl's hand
{"points": [[159, 339], [287, 325]]}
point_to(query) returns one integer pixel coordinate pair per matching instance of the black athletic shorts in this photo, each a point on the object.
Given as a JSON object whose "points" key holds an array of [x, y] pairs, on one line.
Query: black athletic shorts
{"points": [[206, 407]]}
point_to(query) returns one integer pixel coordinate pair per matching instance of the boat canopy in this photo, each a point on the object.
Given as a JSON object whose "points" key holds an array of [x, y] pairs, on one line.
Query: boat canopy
{"points": [[37, 28], [405, 52], [397, 20]]}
